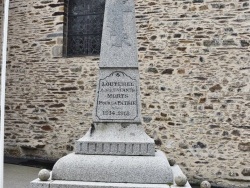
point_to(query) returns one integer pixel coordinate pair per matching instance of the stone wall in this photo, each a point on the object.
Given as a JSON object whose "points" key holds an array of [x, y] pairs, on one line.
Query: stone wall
{"points": [[194, 62]]}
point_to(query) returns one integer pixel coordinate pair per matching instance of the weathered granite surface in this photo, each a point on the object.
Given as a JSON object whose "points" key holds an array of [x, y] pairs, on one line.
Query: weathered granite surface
{"points": [[77, 184], [118, 96], [114, 169], [116, 139], [119, 42]]}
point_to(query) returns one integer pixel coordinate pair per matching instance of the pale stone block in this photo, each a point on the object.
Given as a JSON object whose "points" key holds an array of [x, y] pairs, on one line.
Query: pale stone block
{"points": [[114, 169], [40, 184], [119, 42], [57, 51], [61, 184], [59, 40], [118, 96], [116, 139], [79, 184], [186, 186]]}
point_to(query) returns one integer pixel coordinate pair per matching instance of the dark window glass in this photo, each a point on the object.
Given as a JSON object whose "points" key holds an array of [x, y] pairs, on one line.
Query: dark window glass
{"points": [[83, 27]]}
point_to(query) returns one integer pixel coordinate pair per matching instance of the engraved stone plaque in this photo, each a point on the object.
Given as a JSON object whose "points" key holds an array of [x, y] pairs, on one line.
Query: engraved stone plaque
{"points": [[117, 97]]}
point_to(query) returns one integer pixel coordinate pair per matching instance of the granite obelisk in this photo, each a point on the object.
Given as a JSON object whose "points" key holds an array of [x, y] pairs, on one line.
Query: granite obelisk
{"points": [[117, 114], [115, 152]]}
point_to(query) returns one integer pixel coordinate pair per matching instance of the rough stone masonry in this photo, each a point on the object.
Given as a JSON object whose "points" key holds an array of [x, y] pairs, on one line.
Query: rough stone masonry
{"points": [[194, 77]]}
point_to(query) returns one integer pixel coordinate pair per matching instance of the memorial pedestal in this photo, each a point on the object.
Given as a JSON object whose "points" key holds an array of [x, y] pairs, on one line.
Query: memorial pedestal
{"points": [[80, 184], [116, 139], [115, 152], [114, 169]]}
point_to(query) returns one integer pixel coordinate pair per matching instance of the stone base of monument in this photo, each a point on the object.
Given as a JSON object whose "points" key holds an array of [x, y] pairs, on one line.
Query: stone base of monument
{"points": [[107, 171], [78, 184], [114, 169], [116, 139], [81, 184]]}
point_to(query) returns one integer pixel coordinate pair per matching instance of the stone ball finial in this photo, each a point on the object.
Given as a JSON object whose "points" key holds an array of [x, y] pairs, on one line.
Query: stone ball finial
{"points": [[180, 180], [205, 184], [44, 175]]}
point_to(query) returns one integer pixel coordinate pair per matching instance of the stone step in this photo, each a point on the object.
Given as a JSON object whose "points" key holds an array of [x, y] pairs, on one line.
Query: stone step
{"points": [[78, 184], [116, 139]]}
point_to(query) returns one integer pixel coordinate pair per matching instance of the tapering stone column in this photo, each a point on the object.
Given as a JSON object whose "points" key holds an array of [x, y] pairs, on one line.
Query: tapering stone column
{"points": [[117, 113]]}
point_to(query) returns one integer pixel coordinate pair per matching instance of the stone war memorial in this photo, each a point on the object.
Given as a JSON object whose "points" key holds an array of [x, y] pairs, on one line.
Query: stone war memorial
{"points": [[116, 152]]}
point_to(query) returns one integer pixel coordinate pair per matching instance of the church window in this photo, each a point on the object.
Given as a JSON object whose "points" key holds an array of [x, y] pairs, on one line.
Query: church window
{"points": [[83, 27]]}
